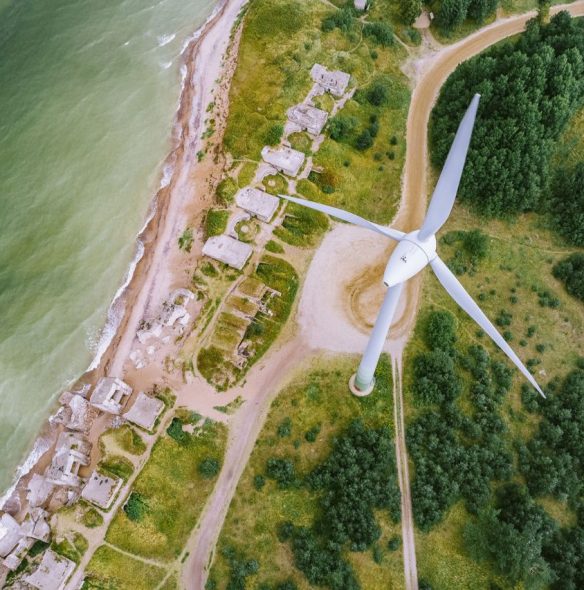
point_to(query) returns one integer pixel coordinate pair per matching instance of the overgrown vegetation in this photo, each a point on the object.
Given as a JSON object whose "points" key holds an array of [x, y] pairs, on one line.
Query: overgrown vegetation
{"points": [[530, 88], [216, 222], [323, 512], [169, 494], [301, 226]]}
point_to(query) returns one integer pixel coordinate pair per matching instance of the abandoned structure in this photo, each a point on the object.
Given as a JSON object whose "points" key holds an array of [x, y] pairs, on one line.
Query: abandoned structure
{"points": [[38, 490], [16, 539], [145, 411], [75, 412], [101, 490], [52, 573], [335, 82], [71, 453], [110, 395], [307, 118], [257, 202], [285, 160], [228, 250]]}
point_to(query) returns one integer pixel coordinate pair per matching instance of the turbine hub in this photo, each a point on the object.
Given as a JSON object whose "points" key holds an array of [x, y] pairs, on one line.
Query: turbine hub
{"points": [[410, 256]]}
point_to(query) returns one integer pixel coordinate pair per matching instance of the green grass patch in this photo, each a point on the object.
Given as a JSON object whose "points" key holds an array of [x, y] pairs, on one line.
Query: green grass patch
{"points": [[274, 247], [72, 547], [301, 142], [127, 439], [301, 226], [110, 569], [282, 39], [216, 222], [319, 398], [117, 466], [171, 492]]}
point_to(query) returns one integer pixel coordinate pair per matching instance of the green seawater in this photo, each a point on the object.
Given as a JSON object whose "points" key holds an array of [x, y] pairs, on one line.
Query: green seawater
{"points": [[88, 94]]}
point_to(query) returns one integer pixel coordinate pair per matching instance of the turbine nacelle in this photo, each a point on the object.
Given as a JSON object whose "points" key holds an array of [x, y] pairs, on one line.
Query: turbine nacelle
{"points": [[410, 256]]}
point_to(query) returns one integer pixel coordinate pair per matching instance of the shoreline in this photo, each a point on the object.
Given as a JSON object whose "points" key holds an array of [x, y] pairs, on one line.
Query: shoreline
{"points": [[129, 305]]}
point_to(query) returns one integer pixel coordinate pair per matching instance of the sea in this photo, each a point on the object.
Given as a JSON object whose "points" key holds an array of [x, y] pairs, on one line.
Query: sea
{"points": [[88, 94]]}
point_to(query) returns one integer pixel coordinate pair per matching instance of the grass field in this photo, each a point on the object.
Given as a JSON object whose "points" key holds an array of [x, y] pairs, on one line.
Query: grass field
{"points": [[173, 492], [110, 569], [282, 39], [319, 399]]}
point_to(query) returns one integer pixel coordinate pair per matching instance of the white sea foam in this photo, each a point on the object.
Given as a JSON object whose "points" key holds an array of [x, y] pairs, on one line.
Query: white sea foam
{"points": [[166, 64], [200, 30], [40, 447], [165, 39], [116, 310]]}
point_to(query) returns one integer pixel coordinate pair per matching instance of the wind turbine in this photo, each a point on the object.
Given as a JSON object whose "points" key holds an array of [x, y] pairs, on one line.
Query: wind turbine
{"points": [[413, 252]]}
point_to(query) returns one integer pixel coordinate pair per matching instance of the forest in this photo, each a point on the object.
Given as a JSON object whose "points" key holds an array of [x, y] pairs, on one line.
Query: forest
{"points": [[530, 88]]}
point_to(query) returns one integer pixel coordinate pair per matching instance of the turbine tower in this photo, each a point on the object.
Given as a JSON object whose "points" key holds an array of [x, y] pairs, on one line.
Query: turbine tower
{"points": [[413, 252]]}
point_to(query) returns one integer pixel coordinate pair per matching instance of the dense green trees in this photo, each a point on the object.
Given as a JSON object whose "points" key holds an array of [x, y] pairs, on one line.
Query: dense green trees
{"points": [[567, 204], [511, 535], [530, 89], [553, 461], [570, 271], [380, 33], [455, 455], [410, 10], [357, 478]]}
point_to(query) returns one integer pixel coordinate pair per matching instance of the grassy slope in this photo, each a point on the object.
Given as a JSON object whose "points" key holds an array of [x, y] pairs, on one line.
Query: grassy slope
{"points": [[320, 396], [281, 41]]}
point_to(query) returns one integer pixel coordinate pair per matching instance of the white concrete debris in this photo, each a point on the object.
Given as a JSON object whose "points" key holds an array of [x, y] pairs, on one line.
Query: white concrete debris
{"points": [[52, 573], [308, 118], [35, 525], [38, 490], [76, 411], [15, 557], [228, 250], [361, 4], [284, 159], [110, 395], [257, 202], [145, 411], [10, 534], [335, 82], [101, 489], [150, 330], [71, 453]]}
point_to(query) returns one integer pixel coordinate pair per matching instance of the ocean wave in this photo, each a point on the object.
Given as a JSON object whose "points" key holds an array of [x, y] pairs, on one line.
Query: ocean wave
{"points": [[116, 310], [200, 30], [40, 447], [165, 65], [165, 39]]}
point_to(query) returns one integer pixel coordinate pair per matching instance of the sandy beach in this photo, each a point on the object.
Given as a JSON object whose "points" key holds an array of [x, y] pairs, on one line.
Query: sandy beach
{"points": [[186, 190]]}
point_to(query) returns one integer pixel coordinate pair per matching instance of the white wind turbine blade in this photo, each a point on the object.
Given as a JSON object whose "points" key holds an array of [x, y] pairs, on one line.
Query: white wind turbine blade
{"points": [[442, 199], [459, 294], [394, 234]]}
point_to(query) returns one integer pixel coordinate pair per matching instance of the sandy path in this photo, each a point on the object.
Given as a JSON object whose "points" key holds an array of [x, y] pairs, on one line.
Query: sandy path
{"points": [[261, 386]]}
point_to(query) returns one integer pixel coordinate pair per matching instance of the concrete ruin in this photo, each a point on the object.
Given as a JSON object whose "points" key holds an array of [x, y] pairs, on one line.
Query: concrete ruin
{"points": [[101, 489], [335, 82], [38, 490], [10, 534], [361, 4], [71, 453], [35, 525], [257, 202], [307, 118], [52, 573], [228, 250], [110, 395], [145, 411], [284, 159], [75, 412]]}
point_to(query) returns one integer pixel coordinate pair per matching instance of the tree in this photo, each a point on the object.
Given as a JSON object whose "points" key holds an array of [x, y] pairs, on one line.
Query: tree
{"points": [[440, 331], [209, 467], [478, 10], [380, 32], [281, 470], [341, 127], [570, 271], [566, 206], [410, 10], [451, 14], [364, 140]]}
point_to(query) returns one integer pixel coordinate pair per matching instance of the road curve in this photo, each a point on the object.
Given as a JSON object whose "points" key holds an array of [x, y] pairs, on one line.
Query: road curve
{"points": [[434, 72]]}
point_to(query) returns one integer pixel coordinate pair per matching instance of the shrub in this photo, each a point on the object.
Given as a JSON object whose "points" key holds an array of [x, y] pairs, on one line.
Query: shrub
{"points": [[209, 467], [282, 471], [136, 507], [259, 481], [176, 432], [285, 428], [380, 32], [185, 241], [274, 134]]}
